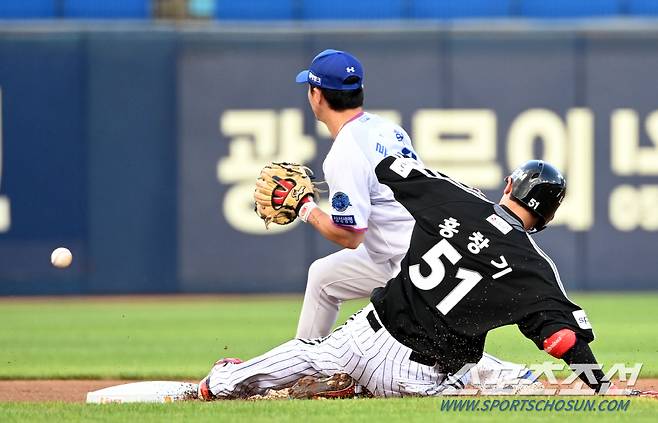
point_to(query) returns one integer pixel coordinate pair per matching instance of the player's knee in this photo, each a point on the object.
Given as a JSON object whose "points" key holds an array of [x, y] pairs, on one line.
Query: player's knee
{"points": [[560, 342], [319, 277], [318, 273]]}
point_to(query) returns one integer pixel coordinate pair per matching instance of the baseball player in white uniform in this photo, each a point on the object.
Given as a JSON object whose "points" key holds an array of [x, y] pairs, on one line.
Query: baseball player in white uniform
{"points": [[365, 218]]}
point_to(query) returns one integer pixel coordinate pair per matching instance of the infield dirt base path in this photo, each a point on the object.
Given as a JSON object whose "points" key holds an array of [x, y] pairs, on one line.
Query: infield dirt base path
{"points": [[76, 390], [52, 390]]}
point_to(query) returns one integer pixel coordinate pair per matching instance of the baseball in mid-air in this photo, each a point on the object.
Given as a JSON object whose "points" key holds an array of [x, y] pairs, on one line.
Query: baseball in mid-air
{"points": [[61, 257]]}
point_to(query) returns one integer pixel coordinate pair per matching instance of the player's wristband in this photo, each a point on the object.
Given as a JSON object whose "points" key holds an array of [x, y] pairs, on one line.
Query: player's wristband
{"points": [[306, 209]]}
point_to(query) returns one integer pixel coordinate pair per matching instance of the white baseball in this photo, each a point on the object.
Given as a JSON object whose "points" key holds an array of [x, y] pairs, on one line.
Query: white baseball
{"points": [[61, 257]]}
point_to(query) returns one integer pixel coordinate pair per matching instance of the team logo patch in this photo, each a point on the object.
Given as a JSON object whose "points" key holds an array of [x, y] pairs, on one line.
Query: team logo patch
{"points": [[314, 78], [340, 201], [344, 220], [500, 224], [581, 319]]}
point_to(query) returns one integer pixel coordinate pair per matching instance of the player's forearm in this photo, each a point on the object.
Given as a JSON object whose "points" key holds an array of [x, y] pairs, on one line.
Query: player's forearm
{"points": [[581, 353], [325, 225]]}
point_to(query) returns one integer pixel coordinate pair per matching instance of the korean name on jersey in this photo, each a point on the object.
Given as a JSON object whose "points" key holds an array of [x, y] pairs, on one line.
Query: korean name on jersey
{"points": [[471, 268]]}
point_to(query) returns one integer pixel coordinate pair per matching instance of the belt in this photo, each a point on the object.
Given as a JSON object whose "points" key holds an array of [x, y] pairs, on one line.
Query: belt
{"points": [[415, 356]]}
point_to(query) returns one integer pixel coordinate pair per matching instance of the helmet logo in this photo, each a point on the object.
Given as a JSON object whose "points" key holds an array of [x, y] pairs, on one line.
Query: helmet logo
{"points": [[533, 203], [519, 174]]}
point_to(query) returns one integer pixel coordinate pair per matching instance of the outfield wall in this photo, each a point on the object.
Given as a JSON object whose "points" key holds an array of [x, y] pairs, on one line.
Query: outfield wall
{"points": [[137, 147]]}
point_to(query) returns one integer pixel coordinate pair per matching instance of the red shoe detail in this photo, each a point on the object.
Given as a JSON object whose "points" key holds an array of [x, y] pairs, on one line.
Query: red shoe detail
{"points": [[205, 394]]}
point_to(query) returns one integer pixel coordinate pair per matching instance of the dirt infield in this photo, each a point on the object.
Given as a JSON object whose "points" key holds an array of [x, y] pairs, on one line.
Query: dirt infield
{"points": [[76, 390], [51, 390]]}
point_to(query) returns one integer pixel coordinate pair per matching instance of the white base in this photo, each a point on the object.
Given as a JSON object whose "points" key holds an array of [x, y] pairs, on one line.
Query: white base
{"points": [[153, 391]]}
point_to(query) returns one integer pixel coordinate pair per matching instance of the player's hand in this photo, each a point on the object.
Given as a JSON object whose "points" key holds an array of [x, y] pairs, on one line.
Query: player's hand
{"points": [[281, 189]]}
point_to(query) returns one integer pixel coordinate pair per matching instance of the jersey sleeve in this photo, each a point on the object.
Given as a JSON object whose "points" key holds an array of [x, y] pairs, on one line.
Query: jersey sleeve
{"points": [[418, 188], [348, 175], [540, 325]]}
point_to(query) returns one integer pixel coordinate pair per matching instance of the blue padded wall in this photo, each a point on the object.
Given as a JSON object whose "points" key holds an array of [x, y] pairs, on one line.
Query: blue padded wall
{"points": [[255, 9], [132, 9], [314, 10], [23, 9], [642, 7], [350, 9], [569, 8], [448, 9]]}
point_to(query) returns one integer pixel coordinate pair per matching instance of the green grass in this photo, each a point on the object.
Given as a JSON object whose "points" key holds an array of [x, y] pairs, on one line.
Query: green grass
{"points": [[173, 338], [140, 340], [180, 338], [625, 332], [374, 410]]}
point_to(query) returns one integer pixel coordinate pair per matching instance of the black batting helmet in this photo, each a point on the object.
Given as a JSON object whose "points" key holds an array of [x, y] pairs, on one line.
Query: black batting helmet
{"points": [[540, 188]]}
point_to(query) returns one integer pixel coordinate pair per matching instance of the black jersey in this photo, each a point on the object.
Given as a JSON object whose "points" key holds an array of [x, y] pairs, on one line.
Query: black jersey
{"points": [[471, 267]]}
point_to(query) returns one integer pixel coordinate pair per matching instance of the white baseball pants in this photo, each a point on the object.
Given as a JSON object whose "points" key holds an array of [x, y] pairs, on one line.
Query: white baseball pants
{"points": [[344, 275]]}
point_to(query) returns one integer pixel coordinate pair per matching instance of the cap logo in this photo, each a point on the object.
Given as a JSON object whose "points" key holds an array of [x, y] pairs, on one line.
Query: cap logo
{"points": [[350, 69], [314, 78]]}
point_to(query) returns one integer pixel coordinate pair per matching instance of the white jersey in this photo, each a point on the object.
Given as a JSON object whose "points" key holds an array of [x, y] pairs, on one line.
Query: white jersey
{"points": [[358, 201]]}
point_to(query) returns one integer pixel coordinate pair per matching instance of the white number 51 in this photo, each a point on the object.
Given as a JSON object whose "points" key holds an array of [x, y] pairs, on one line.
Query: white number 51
{"points": [[469, 278]]}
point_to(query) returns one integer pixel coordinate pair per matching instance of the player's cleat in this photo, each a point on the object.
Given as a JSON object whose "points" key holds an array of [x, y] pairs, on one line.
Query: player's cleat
{"points": [[204, 393], [340, 385]]}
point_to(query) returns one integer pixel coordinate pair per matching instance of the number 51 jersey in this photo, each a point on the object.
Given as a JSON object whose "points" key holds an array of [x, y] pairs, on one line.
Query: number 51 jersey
{"points": [[471, 267]]}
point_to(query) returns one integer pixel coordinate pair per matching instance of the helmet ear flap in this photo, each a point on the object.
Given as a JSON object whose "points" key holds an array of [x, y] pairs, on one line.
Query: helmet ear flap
{"points": [[508, 181]]}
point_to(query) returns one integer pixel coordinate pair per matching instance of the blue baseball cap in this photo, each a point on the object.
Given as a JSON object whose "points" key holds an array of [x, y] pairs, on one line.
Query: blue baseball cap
{"points": [[330, 69]]}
